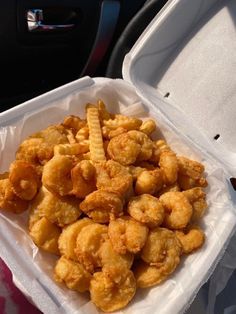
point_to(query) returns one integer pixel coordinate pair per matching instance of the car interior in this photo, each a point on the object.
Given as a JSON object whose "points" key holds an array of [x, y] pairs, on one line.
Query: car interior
{"points": [[45, 44]]}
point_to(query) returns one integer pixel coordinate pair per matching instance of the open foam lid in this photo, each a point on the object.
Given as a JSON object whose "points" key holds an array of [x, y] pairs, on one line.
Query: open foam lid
{"points": [[185, 64]]}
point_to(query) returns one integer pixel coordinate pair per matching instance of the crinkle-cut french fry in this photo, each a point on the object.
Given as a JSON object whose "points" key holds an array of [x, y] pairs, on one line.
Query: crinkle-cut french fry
{"points": [[71, 149], [95, 135]]}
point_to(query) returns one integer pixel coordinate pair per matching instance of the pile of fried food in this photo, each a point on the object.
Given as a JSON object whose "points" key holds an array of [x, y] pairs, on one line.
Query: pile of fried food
{"points": [[118, 207]]}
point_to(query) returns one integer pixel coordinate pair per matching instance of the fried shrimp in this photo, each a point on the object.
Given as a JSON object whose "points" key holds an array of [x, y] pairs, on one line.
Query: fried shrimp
{"points": [[24, 179], [120, 121], [38, 148], [88, 243], [191, 168], [109, 295], [147, 209], [83, 179], [74, 122], [45, 235], [161, 247], [178, 210], [71, 149], [113, 262], [102, 206], [57, 175], [191, 239], [169, 165], [159, 147], [197, 198], [148, 127], [113, 177], [67, 239], [170, 188], [129, 147], [58, 210], [186, 182], [161, 254], [127, 235], [148, 276], [31, 150], [149, 182], [9, 200], [73, 274]]}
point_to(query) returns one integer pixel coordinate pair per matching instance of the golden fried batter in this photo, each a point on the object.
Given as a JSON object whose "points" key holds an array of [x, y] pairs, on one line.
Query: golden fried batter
{"points": [[147, 209], [178, 210], [73, 274], [24, 179], [83, 179], [149, 182], [58, 210], [88, 243], [161, 247], [68, 237], [9, 200], [45, 235], [57, 175], [129, 147], [102, 206], [127, 234], [169, 165], [110, 296], [113, 177], [191, 239], [112, 262]]}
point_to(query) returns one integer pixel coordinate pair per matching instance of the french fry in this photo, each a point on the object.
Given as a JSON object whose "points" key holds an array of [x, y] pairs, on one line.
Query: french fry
{"points": [[95, 135]]}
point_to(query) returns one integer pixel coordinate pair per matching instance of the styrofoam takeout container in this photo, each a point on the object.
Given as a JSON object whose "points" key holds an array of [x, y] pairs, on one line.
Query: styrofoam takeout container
{"points": [[182, 70]]}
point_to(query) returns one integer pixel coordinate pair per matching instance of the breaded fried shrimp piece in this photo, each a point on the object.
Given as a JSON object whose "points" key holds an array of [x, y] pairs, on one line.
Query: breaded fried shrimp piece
{"points": [[45, 235], [148, 276], [102, 206], [113, 262], [74, 122], [178, 210], [191, 239], [83, 179], [169, 165], [129, 147], [9, 201], [197, 198], [59, 210], [121, 121], [189, 167], [161, 254], [68, 237], [186, 182], [109, 295], [24, 179], [161, 247], [149, 182], [113, 177], [146, 209], [88, 243], [127, 235], [148, 127], [57, 175], [73, 274]]}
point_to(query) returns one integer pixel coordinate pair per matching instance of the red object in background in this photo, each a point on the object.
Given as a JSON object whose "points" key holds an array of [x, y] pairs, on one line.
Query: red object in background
{"points": [[12, 301]]}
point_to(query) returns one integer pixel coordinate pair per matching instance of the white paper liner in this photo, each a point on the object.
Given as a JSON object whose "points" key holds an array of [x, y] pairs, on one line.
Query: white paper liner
{"points": [[33, 268]]}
